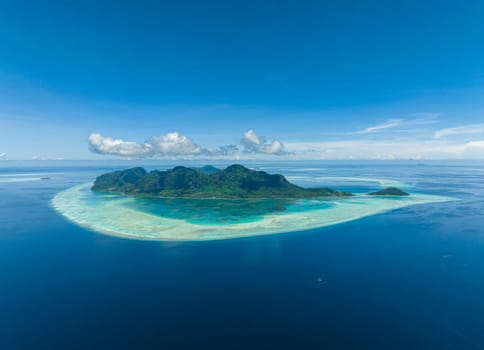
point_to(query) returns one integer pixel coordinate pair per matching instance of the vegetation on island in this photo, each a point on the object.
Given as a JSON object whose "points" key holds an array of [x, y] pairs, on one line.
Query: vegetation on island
{"points": [[233, 182], [389, 191]]}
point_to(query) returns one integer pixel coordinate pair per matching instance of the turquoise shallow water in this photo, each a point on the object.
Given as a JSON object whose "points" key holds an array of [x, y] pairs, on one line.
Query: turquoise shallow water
{"points": [[212, 219], [211, 211]]}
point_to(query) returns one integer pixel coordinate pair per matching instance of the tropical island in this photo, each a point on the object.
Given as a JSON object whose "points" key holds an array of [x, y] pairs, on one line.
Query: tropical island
{"points": [[192, 204], [233, 182]]}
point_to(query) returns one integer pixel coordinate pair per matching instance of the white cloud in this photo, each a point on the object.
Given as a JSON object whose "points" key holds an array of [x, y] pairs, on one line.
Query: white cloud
{"points": [[460, 130], [173, 144], [170, 145], [418, 119], [118, 147], [474, 149], [3, 156], [390, 123], [253, 143], [474, 144]]}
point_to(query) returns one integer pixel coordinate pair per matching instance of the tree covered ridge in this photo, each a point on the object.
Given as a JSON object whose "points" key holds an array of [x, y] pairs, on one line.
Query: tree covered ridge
{"points": [[235, 181]]}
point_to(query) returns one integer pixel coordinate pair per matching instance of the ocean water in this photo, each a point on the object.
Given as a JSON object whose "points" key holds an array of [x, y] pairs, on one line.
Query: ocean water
{"points": [[410, 278]]}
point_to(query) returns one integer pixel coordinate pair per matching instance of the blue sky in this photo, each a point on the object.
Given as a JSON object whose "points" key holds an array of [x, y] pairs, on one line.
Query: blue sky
{"points": [[242, 79]]}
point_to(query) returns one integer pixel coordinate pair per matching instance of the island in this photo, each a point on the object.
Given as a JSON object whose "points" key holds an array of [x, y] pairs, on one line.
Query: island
{"points": [[206, 203], [389, 191], [233, 182]]}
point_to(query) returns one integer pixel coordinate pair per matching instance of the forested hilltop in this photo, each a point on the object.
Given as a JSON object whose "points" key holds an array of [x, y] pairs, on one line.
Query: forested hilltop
{"points": [[233, 182]]}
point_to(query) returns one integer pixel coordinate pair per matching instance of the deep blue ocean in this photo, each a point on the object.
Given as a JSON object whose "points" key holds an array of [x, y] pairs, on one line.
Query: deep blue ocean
{"points": [[407, 279]]}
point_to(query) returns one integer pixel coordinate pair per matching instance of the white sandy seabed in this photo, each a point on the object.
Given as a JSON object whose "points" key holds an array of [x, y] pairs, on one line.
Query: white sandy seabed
{"points": [[113, 217]]}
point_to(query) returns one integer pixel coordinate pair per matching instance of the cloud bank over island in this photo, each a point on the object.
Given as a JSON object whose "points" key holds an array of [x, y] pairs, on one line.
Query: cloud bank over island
{"points": [[174, 144], [391, 139]]}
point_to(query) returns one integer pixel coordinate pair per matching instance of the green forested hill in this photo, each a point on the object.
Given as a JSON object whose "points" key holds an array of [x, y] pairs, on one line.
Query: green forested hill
{"points": [[236, 181]]}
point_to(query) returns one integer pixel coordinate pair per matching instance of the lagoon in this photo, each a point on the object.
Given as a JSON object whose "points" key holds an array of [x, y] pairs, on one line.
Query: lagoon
{"points": [[212, 219]]}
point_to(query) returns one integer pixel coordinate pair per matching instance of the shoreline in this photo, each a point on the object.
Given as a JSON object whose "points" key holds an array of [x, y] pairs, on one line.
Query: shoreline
{"points": [[110, 217]]}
